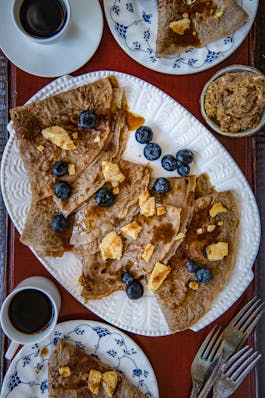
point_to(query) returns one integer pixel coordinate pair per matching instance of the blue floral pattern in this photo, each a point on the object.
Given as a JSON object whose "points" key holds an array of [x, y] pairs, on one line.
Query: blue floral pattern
{"points": [[28, 372], [134, 25]]}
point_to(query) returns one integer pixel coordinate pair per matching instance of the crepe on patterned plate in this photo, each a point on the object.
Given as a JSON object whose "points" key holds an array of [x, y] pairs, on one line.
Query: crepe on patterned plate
{"points": [[199, 22], [73, 374]]}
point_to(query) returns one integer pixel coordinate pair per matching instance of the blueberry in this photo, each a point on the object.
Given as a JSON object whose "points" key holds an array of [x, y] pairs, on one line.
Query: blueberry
{"points": [[104, 197], [135, 290], [127, 278], [183, 170], [169, 163], [59, 223], [59, 169], [144, 135], [62, 190], [191, 266], [161, 185], [87, 120], [185, 156], [152, 151], [203, 275]]}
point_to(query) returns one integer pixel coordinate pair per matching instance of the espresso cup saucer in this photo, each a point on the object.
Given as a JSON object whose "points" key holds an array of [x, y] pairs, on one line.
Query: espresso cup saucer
{"points": [[62, 56]]}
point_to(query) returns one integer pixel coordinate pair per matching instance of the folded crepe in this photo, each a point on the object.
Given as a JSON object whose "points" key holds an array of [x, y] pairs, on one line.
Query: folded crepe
{"points": [[92, 222], [203, 22], [70, 374], [181, 305], [102, 277], [39, 154]]}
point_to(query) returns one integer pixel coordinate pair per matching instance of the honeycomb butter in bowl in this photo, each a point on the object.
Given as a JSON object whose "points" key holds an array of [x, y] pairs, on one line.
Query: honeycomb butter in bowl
{"points": [[233, 101]]}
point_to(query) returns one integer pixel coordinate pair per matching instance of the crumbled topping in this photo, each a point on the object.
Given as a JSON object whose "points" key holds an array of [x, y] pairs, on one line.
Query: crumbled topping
{"points": [[220, 223], [111, 246], [58, 136], [75, 135], [193, 285], [158, 275], [199, 231], [219, 15], [65, 371], [180, 26], [94, 379], [112, 173], [132, 230], [97, 139], [116, 190], [71, 169], [217, 251], [109, 382], [148, 251], [211, 227], [40, 148], [143, 197], [216, 209], [160, 211], [180, 235], [148, 209]]}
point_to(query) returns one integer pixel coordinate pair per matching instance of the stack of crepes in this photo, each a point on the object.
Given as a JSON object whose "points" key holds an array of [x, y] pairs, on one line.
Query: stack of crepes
{"points": [[191, 222]]}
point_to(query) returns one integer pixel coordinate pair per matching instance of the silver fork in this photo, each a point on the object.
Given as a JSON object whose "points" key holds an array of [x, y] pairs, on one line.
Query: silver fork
{"points": [[234, 371], [241, 326], [234, 335], [206, 359]]}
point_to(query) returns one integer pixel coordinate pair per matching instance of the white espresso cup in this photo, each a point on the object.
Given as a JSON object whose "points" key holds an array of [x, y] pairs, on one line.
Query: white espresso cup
{"points": [[43, 21], [18, 314]]}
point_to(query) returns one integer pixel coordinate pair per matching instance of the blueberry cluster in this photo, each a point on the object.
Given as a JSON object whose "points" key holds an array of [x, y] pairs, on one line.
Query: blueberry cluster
{"points": [[63, 191], [202, 274], [134, 288], [152, 151]]}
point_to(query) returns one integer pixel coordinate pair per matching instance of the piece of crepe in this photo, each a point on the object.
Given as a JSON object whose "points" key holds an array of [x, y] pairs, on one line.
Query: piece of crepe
{"points": [[181, 305], [63, 110], [93, 222], [76, 385], [101, 278], [210, 20], [91, 179]]}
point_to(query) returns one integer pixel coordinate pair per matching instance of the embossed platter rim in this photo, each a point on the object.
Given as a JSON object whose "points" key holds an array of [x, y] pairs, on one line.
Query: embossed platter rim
{"points": [[133, 24], [168, 120], [28, 372]]}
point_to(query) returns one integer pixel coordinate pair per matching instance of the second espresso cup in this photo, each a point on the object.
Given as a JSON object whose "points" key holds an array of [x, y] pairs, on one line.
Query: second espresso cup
{"points": [[42, 21], [30, 313]]}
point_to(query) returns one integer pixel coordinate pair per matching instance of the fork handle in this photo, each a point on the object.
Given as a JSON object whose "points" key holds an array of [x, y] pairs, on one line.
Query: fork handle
{"points": [[195, 390]]}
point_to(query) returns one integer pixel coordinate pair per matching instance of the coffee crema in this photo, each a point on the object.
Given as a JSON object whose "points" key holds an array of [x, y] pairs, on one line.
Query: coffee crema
{"points": [[42, 18], [30, 311]]}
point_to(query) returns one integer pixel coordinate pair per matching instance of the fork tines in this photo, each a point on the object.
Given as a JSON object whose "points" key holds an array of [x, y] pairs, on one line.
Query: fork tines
{"points": [[239, 365], [248, 317]]}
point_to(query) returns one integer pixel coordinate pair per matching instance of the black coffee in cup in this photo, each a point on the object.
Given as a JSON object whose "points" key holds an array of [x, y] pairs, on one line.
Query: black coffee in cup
{"points": [[42, 18], [30, 311]]}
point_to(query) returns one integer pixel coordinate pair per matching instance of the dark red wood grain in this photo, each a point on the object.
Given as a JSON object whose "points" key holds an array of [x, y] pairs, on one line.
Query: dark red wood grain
{"points": [[171, 356]]}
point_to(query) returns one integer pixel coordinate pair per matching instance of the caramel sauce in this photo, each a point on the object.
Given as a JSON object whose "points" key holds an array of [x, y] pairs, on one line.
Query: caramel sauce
{"points": [[198, 12], [163, 232]]}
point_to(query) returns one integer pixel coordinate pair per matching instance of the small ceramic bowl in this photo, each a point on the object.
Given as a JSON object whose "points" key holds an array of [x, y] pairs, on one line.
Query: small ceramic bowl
{"points": [[210, 122]]}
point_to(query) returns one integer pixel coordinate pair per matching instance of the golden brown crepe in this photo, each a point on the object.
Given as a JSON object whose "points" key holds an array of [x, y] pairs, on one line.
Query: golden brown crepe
{"points": [[210, 20], [69, 375], [101, 278], [181, 305]]}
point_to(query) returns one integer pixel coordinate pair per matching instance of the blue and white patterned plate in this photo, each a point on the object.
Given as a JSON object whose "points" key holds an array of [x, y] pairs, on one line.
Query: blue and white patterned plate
{"points": [[133, 24], [27, 376]]}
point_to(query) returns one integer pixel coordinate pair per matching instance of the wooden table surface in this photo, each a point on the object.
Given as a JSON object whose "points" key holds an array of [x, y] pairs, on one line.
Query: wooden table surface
{"points": [[171, 356]]}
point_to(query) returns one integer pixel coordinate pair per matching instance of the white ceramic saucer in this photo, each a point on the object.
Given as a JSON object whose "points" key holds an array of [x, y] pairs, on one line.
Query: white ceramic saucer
{"points": [[64, 56]]}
